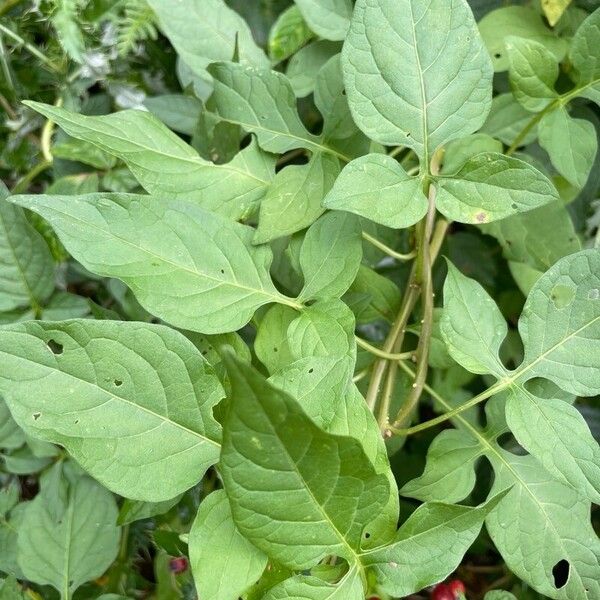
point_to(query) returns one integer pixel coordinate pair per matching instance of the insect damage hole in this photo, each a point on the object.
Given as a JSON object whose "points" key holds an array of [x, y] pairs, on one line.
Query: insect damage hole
{"points": [[560, 572], [55, 347], [36, 416], [118, 382]]}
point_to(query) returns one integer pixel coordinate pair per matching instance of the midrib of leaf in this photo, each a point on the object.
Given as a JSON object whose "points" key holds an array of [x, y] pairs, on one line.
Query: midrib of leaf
{"points": [[321, 509], [114, 396], [424, 104], [274, 297], [66, 593], [32, 300], [305, 141]]}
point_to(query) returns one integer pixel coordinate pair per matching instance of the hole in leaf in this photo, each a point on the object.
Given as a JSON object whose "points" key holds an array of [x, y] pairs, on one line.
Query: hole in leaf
{"points": [[76, 421], [514, 206], [311, 370], [562, 296], [560, 572], [497, 55], [36, 416], [367, 535], [118, 382], [275, 349], [55, 347], [222, 271]]}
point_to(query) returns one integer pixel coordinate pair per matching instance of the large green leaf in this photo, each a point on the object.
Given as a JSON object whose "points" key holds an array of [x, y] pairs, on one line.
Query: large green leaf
{"points": [[541, 523], [428, 547], [288, 34], [131, 402], [296, 492], [584, 56], [64, 542], [223, 562], [192, 268], [491, 186], [165, 165], [416, 72], [329, 19], [206, 31], [26, 265], [375, 186]]}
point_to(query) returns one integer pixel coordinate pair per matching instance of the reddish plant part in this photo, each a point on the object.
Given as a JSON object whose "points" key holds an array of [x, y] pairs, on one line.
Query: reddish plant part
{"points": [[442, 592], [457, 587], [178, 565]]}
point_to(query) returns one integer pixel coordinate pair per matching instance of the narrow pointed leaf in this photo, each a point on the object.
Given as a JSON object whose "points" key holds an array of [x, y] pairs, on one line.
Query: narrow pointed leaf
{"points": [[164, 164]]}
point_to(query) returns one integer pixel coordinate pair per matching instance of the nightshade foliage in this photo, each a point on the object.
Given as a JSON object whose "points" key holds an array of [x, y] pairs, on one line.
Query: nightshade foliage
{"points": [[225, 333]]}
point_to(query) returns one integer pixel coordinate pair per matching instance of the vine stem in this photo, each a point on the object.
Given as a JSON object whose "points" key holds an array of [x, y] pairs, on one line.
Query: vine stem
{"points": [[381, 246], [17, 38], [381, 353], [23, 183], [494, 389]]}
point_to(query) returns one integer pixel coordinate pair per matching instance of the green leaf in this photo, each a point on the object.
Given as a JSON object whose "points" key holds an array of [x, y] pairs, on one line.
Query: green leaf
{"points": [[330, 99], [584, 56], [137, 510], [304, 66], [428, 547], [296, 492], [449, 471], [533, 73], [84, 152], [272, 344], [557, 434], [66, 545], [131, 402], [518, 21], [507, 119], [554, 10], [330, 256], [26, 265], [223, 562], [164, 164], [10, 589], [207, 31], [262, 102], [560, 326], [176, 111], [375, 186], [302, 587], [499, 595], [192, 268], [538, 237], [471, 324], [329, 19], [540, 523], [293, 201], [571, 143], [459, 151], [288, 34], [492, 186], [443, 89], [377, 296]]}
